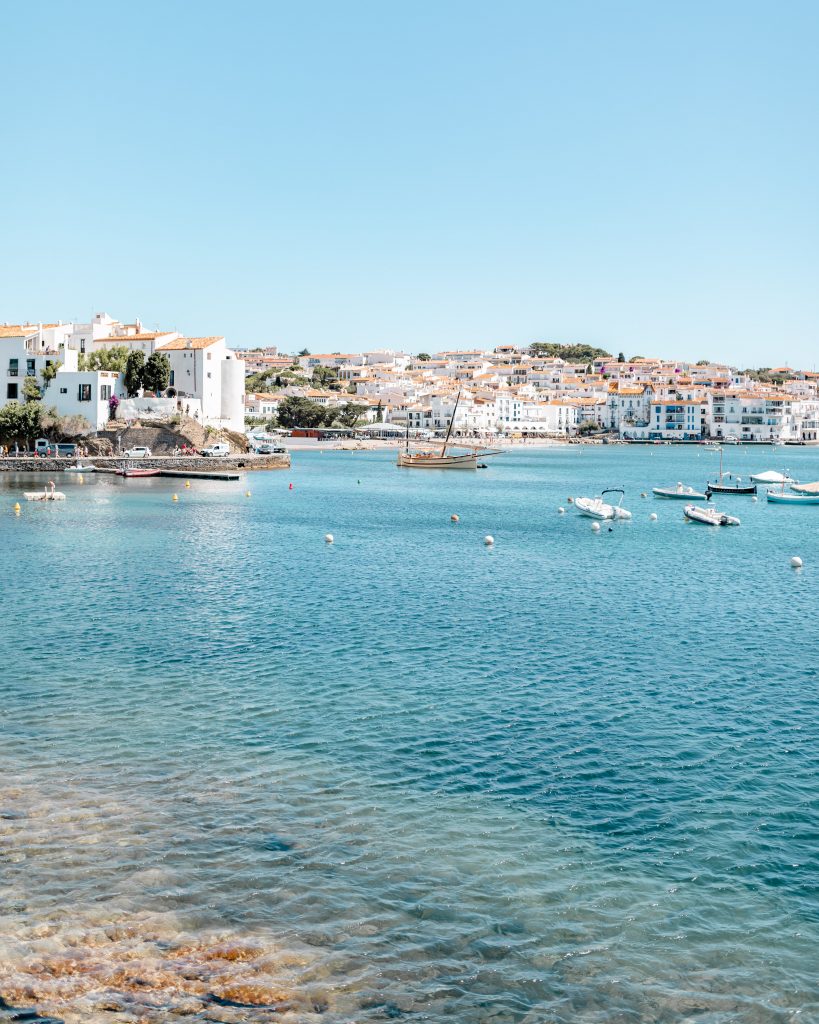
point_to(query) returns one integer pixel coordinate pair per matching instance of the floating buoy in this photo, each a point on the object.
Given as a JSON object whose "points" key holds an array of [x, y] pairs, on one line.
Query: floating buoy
{"points": [[187, 483], [455, 519], [796, 562], [653, 517], [570, 500], [595, 527], [175, 497], [643, 494], [489, 540], [328, 537], [17, 508], [561, 511], [247, 494], [754, 498], [81, 478], [290, 488]]}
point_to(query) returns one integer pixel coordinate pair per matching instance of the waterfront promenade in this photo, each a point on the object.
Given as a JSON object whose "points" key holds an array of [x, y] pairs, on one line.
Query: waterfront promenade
{"points": [[180, 463]]}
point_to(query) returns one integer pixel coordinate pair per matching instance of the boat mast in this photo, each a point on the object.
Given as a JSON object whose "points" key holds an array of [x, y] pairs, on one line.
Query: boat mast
{"points": [[451, 422]]}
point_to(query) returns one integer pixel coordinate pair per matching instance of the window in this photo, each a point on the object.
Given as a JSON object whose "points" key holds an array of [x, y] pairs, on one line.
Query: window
{"points": [[84, 393], [209, 355], [63, 391], [30, 368], [82, 345], [11, 391], [209, 374], [14, 368], [171, 380], [105, 392]]}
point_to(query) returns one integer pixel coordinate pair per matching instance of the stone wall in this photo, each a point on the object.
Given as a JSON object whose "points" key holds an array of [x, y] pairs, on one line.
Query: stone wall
{"points": [[193, 464]]}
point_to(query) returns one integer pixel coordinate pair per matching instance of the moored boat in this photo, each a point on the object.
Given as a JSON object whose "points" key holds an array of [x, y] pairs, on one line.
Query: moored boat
{"points": [[772, 477], [80, 469], [596, 508], [431, 459], [45, 494], [138, 472], [734, 486], [789, 498], [708, 516], [679, 491], [812, 488]]}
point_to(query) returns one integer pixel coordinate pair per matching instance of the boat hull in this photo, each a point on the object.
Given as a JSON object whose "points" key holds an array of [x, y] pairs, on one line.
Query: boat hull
{"points": [[792, 499], [708, 516], [419, 460], [726, 489], [43, 496], [138, 472], [670, 492]]}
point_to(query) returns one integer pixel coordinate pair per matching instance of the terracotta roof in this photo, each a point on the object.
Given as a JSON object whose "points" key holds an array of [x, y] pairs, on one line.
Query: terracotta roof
{"points": [[123, 339], [179, 344]]}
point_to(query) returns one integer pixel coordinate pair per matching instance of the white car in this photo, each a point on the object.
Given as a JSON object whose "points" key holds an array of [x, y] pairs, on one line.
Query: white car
{"points": [[216, 451], [138, 452]]}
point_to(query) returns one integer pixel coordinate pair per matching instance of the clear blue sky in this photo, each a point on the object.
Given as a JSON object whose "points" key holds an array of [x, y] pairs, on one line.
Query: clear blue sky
{"points": [[639, 175]]}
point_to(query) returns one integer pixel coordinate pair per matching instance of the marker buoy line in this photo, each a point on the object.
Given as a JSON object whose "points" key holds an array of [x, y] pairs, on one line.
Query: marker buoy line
{"points": [[489, 540], [328, 537], [796, 562]]}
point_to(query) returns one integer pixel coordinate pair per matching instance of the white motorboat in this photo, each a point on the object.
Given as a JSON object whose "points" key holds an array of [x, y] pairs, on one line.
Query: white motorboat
{"points": [[596, 508], [708, 516], [681, 492], [771, 477]]}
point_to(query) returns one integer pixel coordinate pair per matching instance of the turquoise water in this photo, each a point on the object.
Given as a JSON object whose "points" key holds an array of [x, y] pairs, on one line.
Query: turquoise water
{"points": [[249, 776]]}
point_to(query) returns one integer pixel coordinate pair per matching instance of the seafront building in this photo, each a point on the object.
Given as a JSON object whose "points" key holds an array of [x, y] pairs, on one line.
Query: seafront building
{"points": [[207, 380], [511, 391]]}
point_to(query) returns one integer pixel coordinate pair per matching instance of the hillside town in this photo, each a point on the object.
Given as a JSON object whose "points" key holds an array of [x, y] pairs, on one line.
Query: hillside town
{"points": [[107, 369], [543, 391]]}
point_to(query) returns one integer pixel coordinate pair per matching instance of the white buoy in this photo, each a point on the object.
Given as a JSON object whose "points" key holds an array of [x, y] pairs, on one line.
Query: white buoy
{"points": [[754, 498], [653, 517], [561, 511], [643, 494], [489, 540], [595, 527], [328, 537], [247, 494], [455, 518], [796, 562]]}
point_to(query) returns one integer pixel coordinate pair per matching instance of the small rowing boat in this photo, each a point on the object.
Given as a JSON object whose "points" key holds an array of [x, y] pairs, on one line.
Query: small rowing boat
{"points": [[708, 516], [138, 472], [680, 491]]}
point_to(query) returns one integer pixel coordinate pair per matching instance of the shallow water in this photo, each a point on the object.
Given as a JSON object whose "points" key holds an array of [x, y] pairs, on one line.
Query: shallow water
{"points": [[248, 776]]}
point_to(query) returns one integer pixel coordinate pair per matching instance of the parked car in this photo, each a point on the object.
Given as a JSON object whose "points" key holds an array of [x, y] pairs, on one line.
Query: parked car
{"points": [[42, 446], [216, 451], [137, 452]]}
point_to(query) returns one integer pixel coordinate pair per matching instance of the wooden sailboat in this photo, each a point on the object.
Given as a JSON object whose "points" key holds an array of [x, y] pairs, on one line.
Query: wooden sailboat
{"points": [[430, 459], [722, 488]]}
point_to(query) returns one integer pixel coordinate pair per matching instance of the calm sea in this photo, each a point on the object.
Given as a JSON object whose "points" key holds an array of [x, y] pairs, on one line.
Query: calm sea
{"points": [[246, 776]]}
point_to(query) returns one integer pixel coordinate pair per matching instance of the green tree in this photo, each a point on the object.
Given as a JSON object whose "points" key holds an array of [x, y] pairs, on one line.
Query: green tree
{"points": [[157, 374], [134, 372], [295, 411], [633, 358], [571, 353], [350, 413], [424, 357], [322, 375], [49, 372], [114, 359], [703, 362], [31, 390], [620, 357], [305, 352], [330, 415], [20, 422]]}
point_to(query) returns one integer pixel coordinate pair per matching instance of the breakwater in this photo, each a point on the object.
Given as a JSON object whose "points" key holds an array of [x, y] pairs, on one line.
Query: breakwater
{"points": [[179, 463]]}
